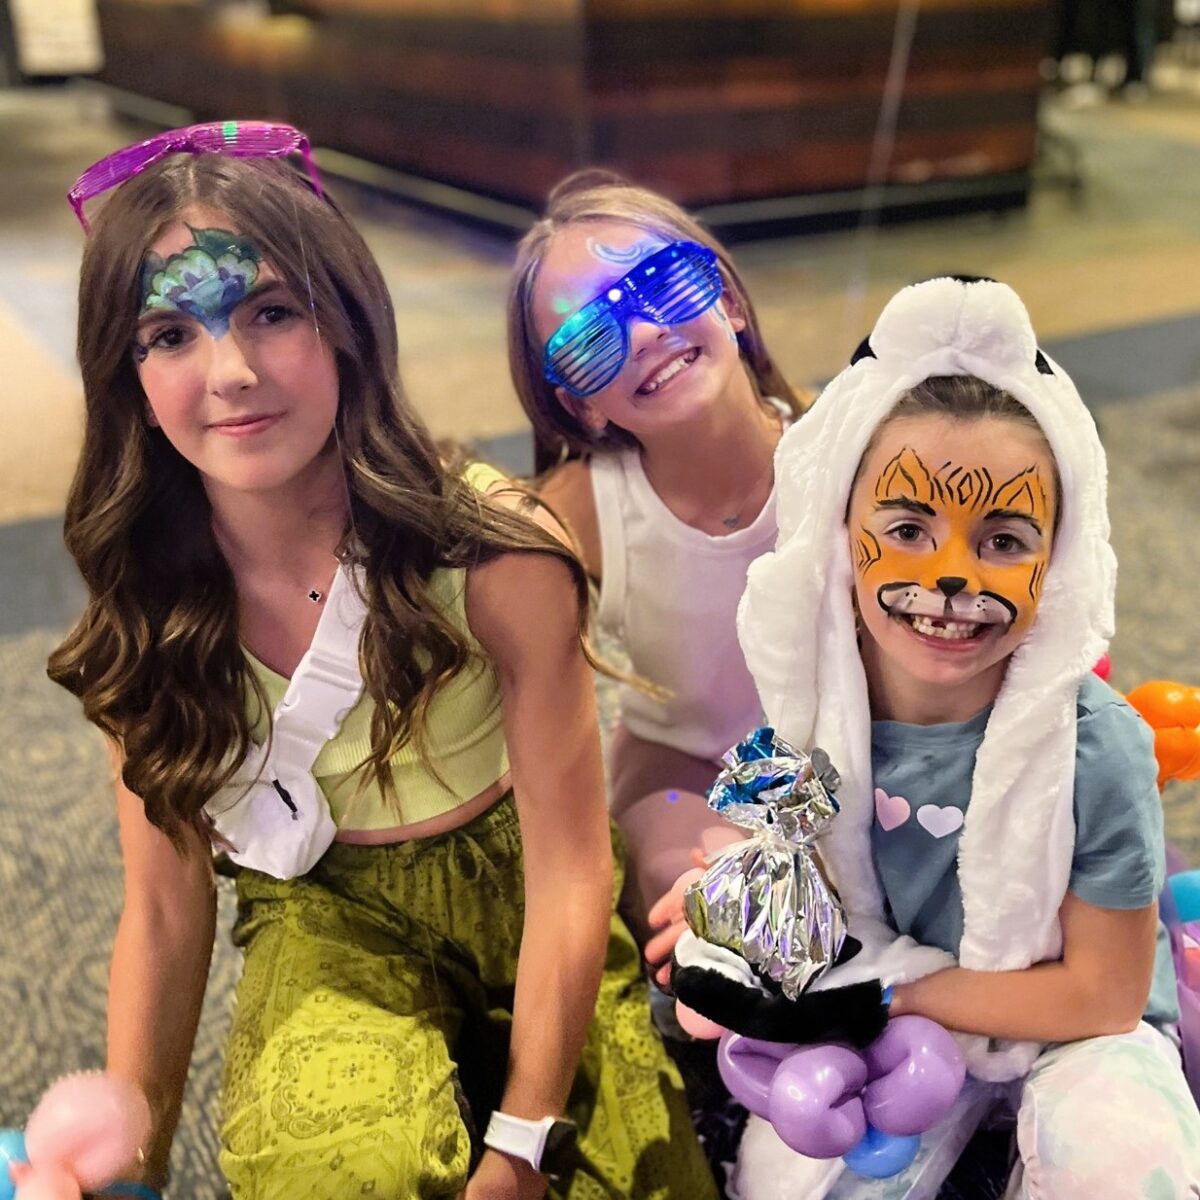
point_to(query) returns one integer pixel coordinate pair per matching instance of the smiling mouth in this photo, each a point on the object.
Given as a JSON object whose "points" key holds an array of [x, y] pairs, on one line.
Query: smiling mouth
{"points": [[675, 367], [246, 425], [944, 629]]}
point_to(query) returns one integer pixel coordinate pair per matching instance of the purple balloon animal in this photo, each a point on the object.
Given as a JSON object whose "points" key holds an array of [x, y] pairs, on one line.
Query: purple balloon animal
{"points": [[831, 1100]]}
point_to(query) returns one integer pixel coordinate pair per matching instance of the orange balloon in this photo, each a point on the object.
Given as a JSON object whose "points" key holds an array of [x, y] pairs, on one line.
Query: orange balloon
{"points": [[1178, 754], [1172, 710]]}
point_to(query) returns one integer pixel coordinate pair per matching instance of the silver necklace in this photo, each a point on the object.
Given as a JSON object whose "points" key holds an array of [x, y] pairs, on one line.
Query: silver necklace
{"points": [[315, 594], [734, 519]]}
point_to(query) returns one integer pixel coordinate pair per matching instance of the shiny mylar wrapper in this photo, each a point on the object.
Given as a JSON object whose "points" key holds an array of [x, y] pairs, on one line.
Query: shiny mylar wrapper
{"points": [[767, 898]]}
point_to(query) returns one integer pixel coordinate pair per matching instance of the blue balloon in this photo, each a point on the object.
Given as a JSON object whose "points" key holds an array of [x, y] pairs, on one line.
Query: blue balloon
{"points": [[1185, 891], [880, 1155], [12, 1149]]}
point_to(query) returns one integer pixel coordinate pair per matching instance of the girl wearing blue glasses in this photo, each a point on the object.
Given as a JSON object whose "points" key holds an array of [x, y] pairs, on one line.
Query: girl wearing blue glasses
{"points": [[638, 359]]}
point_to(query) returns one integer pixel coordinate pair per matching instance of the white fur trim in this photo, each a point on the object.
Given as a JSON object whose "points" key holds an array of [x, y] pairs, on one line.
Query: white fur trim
{"points": [[769, 1169], [691, 951], [885, 957], [796, 625]]}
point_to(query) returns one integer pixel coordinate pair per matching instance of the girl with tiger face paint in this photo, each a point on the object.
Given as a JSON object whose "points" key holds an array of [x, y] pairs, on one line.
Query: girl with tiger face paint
{"points": [[950, 524], [942, 586]]}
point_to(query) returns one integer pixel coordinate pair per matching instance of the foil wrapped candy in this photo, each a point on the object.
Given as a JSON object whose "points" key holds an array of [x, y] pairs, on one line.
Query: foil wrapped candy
{"points": [[767, 898]]}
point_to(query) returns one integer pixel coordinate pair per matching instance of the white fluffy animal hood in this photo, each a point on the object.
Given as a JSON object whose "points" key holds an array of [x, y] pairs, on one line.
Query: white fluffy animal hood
{"points": [[797, 628]]}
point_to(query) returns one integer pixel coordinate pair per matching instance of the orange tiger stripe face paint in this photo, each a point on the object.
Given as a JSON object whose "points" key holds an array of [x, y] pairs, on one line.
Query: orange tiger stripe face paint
{"points": [[950, 526]]}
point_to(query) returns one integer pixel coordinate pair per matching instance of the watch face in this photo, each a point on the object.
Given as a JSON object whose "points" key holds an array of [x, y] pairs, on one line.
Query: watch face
{"points": [[558, 1156]]}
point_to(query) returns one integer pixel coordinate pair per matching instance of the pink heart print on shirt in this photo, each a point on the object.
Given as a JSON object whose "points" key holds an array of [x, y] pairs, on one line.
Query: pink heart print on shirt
{"points": [[941, 822], [891, 810]]}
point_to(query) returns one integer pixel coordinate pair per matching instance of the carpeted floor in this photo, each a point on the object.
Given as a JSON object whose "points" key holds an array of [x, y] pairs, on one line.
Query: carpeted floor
{"points": [[60, 876]]}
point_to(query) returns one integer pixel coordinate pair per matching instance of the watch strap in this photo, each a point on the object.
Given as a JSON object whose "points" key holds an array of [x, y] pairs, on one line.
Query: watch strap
{"points": [[518, 1137]]}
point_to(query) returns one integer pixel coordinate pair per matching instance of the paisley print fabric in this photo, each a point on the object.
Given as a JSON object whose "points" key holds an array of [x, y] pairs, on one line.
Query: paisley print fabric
{"points": [[370, 1033]]}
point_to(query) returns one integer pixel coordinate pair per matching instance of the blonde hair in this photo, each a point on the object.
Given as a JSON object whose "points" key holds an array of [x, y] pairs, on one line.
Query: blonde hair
{"points": [[594, 196]]}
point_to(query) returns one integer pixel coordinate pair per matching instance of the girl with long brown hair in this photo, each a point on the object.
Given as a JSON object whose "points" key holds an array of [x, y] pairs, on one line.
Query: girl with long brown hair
{"points": [[362, 674], [656, 407]]}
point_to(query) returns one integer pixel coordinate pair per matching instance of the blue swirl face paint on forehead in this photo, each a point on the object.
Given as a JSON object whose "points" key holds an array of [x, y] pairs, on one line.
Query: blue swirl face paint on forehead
{"points": [[206, 281], [627, 256]]}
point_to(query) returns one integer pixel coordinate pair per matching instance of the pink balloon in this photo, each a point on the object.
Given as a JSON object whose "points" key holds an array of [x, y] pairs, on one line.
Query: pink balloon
{"points": [[92, 1124], [47, 1181], [699, 1026]]}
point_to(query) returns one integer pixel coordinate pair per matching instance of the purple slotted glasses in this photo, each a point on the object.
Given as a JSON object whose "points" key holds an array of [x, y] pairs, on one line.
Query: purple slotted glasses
{"points": [[240, 139]]}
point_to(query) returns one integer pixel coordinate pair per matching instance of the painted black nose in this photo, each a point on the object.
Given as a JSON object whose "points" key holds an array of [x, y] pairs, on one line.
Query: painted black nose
{"points": [[951, 585]]}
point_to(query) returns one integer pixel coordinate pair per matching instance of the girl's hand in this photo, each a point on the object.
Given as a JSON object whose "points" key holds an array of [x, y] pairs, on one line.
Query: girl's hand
{"points": [[499, 1177], [667, 917]]}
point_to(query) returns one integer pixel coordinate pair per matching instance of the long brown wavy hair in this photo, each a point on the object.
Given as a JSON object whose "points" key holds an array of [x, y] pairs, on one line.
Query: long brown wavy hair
{"points": [[155, 658], [595, 195]]}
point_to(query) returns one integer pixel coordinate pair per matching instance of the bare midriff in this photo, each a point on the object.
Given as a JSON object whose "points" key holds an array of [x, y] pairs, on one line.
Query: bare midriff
{"points": [[463, 814]]}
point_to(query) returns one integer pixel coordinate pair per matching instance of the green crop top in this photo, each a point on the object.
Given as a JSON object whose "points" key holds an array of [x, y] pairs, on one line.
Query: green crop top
{"points": [[465, 731]]}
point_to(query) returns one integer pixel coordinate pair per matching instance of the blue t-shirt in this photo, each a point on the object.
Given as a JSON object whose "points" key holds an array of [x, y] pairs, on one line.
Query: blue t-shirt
{"points": [[922, 779]]}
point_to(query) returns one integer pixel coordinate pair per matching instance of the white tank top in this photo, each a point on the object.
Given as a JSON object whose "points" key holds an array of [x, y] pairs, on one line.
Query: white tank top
{"points": [[669, 593]]}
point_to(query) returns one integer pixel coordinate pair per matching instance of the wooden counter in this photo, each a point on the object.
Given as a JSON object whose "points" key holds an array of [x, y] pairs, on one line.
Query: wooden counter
{"points": [[713, 101]]}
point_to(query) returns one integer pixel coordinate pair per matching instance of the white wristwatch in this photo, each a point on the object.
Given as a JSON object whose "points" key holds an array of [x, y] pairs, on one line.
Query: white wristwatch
{"points": [[545, 1144]]}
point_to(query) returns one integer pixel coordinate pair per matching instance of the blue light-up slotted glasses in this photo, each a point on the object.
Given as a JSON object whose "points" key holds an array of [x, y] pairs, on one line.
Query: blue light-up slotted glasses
{"points": [[672, 285]]}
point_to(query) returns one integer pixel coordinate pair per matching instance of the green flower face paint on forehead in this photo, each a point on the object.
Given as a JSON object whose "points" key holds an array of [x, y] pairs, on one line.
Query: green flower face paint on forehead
{"points": [[206, 281]]}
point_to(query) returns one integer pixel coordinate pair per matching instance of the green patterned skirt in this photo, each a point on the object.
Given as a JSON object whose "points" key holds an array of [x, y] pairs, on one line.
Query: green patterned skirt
{"points": [[370, 1035]]}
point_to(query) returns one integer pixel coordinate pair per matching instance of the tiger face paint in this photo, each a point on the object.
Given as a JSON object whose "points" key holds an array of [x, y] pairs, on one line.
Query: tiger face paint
{"points": [[950, 526]]}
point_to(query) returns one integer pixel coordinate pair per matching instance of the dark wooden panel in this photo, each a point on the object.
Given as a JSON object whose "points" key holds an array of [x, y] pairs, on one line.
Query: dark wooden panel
{"points": [[413, 116], [719, 177], [850, 119], [723, 101], [776, 82], [448, 74], [711, 99], [812, 39], [179, 56], [512, 172], [547, 41]]}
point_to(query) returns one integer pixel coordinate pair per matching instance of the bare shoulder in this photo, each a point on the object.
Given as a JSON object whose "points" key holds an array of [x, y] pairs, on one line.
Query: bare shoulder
{"points": [[568, 492], [523, 603], [518, 496]]}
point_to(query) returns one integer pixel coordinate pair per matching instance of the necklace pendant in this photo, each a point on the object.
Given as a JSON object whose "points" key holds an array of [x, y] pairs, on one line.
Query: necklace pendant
{"points": [[315, 596], [731, 522]]}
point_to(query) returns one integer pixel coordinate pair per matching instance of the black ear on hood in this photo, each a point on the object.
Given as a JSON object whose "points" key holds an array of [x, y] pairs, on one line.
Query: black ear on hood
{"points": [[1042, 365], [972, 278], [864, 351]]}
